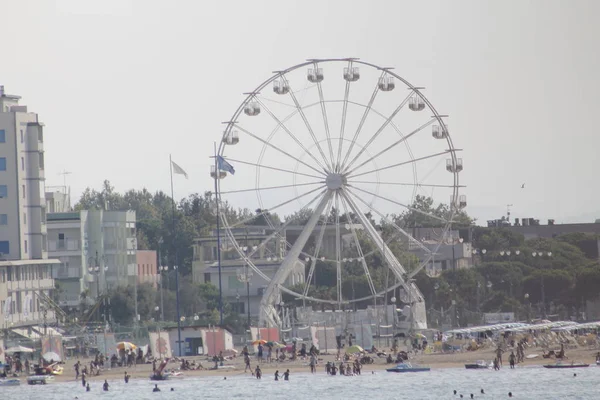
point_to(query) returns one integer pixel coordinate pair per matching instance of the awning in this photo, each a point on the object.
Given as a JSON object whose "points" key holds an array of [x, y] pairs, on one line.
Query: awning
{"points": [[48, 331], [26, 333]]}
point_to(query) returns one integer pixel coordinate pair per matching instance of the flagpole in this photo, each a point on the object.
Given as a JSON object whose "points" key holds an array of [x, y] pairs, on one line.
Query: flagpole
{"points": [[217, 171], [175, 267]]}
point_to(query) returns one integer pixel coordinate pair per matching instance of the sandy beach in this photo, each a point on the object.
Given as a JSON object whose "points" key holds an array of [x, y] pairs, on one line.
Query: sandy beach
{"points": [[236, 366]]}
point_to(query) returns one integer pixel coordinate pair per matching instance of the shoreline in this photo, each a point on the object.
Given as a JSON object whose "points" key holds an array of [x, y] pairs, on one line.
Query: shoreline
{"points": [[236, 366]]}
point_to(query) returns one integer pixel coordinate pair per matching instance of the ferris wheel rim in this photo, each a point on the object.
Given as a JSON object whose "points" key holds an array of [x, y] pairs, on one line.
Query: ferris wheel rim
{"points": [[437, 117]]}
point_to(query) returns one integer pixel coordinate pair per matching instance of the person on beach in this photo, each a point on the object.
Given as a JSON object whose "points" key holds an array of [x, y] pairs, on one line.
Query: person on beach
{"points": [[83, 379], [126, 377], [511, 360], [247, 362], [342, 371], [76, 367], [286, 375], [105, 386], [499, 352], [496, 365], [259, 355], [87, 387], [277, 375]]}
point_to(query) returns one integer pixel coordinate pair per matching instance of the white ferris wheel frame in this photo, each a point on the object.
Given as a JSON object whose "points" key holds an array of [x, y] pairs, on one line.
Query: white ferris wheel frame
{"points": [[334, 189]]}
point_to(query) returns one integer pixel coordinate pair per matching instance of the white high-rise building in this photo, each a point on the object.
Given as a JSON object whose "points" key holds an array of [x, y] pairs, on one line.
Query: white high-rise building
{"points": [[25, 271]]}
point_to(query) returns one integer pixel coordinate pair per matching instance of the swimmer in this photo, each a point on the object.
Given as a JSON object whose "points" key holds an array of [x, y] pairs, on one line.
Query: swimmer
{"points": [[455, 392], [509, 394], [482, 392], [156, 389]]}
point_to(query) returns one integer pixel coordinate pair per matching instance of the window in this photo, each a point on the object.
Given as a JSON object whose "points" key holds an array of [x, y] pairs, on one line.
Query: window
{"points": [[4, 247], [234, 283], [23, 163], [2, 136], [206, 277], [26, 246], [40, 134], [3, 191], [24, 218], [23, 189], [21, 135], [3, 219], [2, 163], [41, 160]]}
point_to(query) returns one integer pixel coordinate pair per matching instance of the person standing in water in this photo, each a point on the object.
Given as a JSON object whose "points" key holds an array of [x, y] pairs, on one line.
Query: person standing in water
{"points": [[105, 386], [511, 360], [286, 375], [277, 375], [258, 372], [126, 377], [156, 389]]}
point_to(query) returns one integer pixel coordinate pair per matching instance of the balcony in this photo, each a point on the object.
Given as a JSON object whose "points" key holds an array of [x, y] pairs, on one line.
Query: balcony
{"points": [[63, 245], [41, 284]]}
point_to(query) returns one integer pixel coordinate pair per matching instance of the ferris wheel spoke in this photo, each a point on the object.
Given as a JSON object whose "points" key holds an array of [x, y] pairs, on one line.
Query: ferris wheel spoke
{"points": [[343, 125], [266, 211], [273, 168], [361, 254], [414, 160], [401, 204], [314, 259], [338, 250], [278, 230], [306, 123], [290, 134], [378, 132], [392, 223], [402, 140], [362, 121], [278, 149], [406, 184], [326, 123], [272, 187]]}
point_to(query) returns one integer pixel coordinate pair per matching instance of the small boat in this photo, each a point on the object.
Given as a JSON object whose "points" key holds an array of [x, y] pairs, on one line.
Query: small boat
{"points": [[10, 382], [479, 364], [407, 367], [560, 364], [159, 377], [39, 379]]}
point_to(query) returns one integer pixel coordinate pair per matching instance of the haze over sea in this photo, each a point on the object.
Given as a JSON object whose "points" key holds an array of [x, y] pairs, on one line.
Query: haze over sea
{"points": [[525, 383]]}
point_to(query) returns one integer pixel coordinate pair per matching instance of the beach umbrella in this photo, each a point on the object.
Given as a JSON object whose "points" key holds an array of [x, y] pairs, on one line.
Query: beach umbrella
{"points": [[272, 343], [354, 349], [19, 349], [126, 346], [259, 341], [51, 356]]}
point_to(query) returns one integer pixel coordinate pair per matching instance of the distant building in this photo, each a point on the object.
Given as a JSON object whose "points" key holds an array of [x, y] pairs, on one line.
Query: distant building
{"points": [[233, 269], [97, 251], [25, 270], [57, 202], [147, 271]]}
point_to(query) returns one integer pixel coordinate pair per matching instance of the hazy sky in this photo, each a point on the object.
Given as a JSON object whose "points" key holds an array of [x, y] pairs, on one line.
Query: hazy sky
{"points": [[121, 84]]}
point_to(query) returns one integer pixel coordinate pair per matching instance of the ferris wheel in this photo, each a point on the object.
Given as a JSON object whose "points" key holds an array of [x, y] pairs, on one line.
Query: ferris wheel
{"points": [[321, 151]]}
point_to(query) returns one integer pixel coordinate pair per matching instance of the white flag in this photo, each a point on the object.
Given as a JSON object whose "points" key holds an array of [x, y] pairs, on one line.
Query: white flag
{"points": [[178, 170]]}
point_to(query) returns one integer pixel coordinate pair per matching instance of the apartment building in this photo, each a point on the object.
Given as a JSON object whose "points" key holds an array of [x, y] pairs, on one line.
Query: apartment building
{"points": [[25, 270]]}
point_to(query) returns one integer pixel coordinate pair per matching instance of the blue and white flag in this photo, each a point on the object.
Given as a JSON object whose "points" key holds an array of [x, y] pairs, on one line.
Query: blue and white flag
{"points": [[224, 165]]}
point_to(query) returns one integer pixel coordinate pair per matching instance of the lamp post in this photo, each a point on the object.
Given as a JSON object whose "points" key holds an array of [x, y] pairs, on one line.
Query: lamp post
{"points": [[245, 276], [161, 269], [95, 270], [541, 254], [528, 307]]}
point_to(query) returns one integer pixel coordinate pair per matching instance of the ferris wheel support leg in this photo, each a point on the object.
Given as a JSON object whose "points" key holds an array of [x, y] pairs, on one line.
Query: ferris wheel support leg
{"points": [[268, 315], [416, 299]]}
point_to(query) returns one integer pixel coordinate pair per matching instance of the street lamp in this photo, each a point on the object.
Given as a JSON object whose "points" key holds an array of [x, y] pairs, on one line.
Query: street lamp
{"points": [[528, 307], [161, 269], [541, 254]]}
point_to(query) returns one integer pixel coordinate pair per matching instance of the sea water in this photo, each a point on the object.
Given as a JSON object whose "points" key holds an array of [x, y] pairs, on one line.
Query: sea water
{"points": [[529, 383]]}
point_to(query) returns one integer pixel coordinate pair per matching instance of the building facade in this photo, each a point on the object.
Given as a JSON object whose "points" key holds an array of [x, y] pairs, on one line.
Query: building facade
{"points": [[97, 251], [147, 271], [25, 270], [238, 290]]}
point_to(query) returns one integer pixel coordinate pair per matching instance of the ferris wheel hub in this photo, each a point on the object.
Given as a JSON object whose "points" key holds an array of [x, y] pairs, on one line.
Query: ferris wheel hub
{"points": [[335, 181]]}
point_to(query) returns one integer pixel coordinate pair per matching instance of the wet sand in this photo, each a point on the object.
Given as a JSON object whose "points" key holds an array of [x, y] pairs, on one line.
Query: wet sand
{"points": [[236, 366]]}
